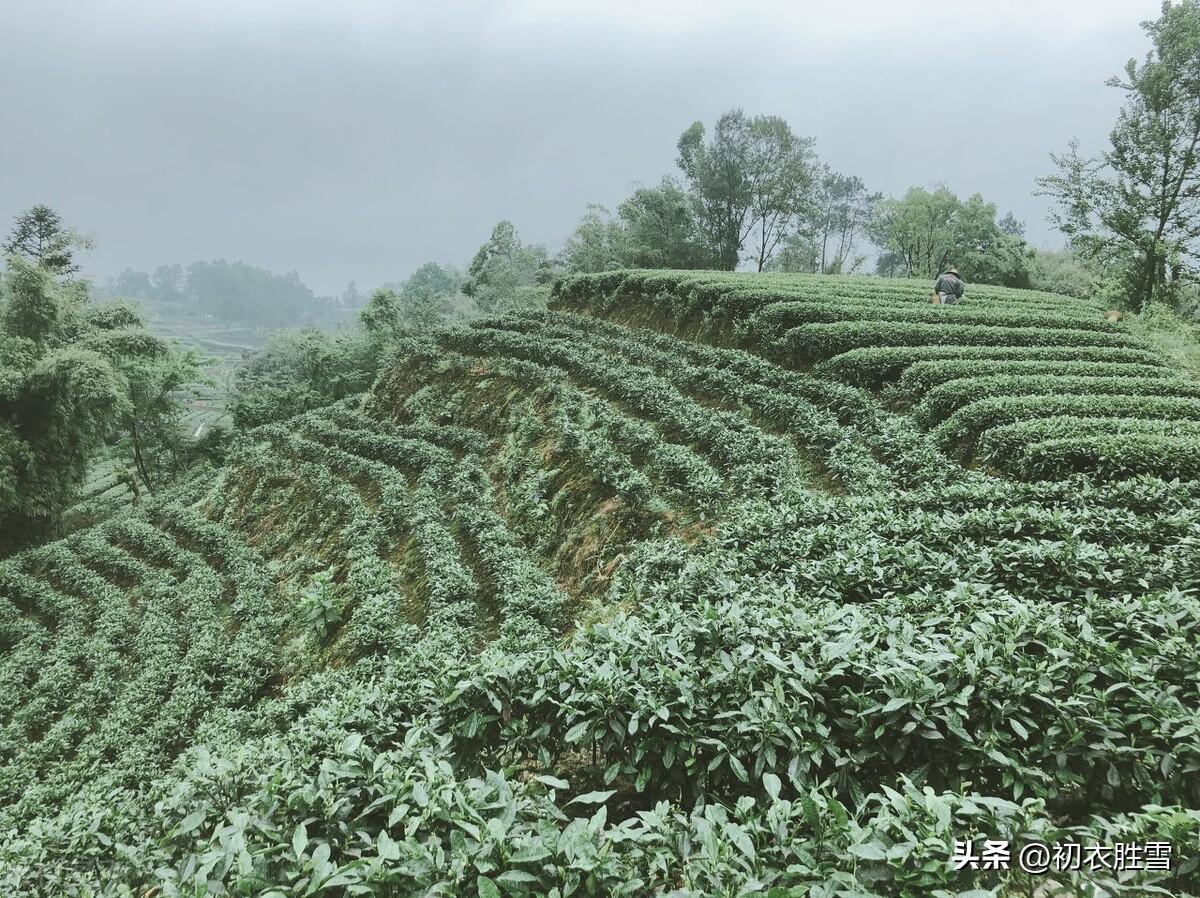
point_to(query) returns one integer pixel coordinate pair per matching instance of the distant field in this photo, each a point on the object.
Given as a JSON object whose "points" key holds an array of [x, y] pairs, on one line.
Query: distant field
{"points": [[225, 347]]}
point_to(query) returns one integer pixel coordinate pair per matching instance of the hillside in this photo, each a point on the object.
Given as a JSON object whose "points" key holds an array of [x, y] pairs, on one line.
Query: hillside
{"points": [[698, 583]]}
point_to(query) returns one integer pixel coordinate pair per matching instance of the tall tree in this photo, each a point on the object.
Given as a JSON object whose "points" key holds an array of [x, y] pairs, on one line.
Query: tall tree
{"points": [[781, 174], [167, 283], [157, 376], [39, 236], [838, 210], [352, 297], [716, 174], [750, 178], [1137, 205], [130, 284], [427, 294], [655, 227]]}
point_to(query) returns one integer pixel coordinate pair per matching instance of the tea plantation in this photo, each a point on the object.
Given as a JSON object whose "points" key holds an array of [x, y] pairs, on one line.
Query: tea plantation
{"points": [[696, 584]]}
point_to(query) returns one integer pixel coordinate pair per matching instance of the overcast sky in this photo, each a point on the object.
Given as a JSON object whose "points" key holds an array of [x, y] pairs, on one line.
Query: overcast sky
{"points": [[357, 140]]}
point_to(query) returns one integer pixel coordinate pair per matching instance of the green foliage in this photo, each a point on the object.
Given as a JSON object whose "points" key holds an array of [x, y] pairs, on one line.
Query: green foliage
{"points": [[1136, 207], [656, 228], [822, 340], [944, 399], [1063, 271], [564, 606], [231, 292], [40, 237], [752, 178], [1049, 448], [927, 231], [297, 371], [963, 427], [661, 228], [777, 318], [1039, 349], [75, 374], [506, 274], [598, 243], [320, 608], [235, 291], [876, 366], [921, 377], [1176, 338], [834, 216], [425, 300]]}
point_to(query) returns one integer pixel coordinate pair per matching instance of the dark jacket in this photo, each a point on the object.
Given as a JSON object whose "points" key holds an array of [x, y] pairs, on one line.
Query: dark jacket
{"points": [[948, 283]]}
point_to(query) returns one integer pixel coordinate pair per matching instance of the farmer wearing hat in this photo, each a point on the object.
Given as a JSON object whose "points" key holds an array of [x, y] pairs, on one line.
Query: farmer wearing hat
{"points": [[949, 287]]}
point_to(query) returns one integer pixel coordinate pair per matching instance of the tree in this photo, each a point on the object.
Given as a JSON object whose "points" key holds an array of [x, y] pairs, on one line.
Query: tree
{"points": [[656, 227], [781, 174], [926, 231], [39, 236], [1063, 271], [506, 274], [661, 228], [297, 371], [167, 283], [157, 376], [352, 297], [716, 174], [426, 295], [1137, 205], [838, 210], [73, 375], [420, 303], [382, 318], [598, 243], [751, 177], [130, 284]]}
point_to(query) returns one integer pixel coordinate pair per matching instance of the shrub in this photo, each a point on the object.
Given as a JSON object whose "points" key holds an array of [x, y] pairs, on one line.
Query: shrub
{"points": [[820, 341], [875, 366], [777, 318], [946, 398], [1110, 451], [920, 377], [961, 430]]}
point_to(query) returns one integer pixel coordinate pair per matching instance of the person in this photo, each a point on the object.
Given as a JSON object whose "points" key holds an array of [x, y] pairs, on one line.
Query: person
{"points": [[949, 287]]}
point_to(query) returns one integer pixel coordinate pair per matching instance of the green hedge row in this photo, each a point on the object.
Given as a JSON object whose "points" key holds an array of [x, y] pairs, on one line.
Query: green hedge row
{"points": [[945, 399], [651, 281], [1111, 456], [840, 426], [777, 318], [820, 341], [874, 366], [921, 377], [1004, 447], [731, 295], [962, 429]]}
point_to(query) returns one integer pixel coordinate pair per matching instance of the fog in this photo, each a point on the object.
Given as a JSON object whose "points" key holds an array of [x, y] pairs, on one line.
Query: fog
{"points": [[359, 140]]}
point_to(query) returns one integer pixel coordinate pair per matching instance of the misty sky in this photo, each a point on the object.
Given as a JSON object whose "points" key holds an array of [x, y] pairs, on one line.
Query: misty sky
{"points": [[357, 140]]}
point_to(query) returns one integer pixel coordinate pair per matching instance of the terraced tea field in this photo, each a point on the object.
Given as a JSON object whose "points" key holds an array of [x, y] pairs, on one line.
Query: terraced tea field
{"points": [[659, 592], [1064, 388]]}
